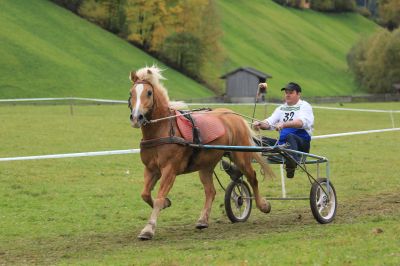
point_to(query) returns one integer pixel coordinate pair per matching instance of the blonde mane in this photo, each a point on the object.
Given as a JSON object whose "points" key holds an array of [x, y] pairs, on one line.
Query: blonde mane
{"points": [[153, 75]]}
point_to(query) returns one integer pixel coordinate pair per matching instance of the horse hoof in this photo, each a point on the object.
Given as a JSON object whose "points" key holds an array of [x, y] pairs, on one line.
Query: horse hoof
{"points": [[145, 236], [168, 203], [266, 208], [201, 226]]}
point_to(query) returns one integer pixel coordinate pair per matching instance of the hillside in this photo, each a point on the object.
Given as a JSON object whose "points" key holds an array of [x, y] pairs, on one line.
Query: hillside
{"points": [[292, 45], [46, 51]]}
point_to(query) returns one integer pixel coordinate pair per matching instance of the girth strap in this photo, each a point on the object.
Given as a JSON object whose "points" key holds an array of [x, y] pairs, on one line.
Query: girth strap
{"points": [[195, 129], [165, 140]]}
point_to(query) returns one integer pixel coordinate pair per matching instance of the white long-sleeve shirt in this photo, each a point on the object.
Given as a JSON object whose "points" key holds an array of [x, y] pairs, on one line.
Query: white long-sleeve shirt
{"points": [[301, 110]]}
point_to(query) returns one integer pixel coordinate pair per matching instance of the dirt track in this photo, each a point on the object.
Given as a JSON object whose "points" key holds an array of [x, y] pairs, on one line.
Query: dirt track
{"points": [[51, 250]]}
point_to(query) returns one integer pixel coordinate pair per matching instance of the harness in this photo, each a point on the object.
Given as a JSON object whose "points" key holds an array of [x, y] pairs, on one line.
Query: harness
{"points": [[172, 139]]}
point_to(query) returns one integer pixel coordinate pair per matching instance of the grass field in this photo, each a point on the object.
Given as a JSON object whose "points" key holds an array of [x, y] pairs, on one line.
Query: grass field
{"points": [[47, 51], [88, 210], [292, 45]]}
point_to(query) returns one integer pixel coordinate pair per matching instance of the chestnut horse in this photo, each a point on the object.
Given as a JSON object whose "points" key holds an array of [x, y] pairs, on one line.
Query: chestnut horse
{"points": [[164, 160]]}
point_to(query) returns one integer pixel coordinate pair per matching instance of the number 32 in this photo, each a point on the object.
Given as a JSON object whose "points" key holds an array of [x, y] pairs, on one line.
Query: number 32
{"points": [[288, 116]]}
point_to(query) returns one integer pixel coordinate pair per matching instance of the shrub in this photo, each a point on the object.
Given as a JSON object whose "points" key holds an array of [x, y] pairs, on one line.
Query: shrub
{"points": [[375, 61], [333, 5]]}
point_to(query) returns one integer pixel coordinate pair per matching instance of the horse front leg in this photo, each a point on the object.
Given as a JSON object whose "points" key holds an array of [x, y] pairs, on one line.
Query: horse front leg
{"points": [[161, 202], [209, 190], [150, 180]]}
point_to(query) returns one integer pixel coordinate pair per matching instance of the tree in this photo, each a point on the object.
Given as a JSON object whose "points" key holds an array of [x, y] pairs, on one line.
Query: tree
{"points": [[344, 5], [333, 5], [322, 5], [375, 61], [94, 11], [185, 33], [292, 3], [193, 41], [392, 59], [389, 13], [115, 15], [146, 23], [72, 5], [184, 51]]}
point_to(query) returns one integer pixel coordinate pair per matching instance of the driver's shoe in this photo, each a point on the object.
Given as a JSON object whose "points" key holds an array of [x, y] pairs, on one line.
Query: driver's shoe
{"points": [[290, 172], [290, 167]]}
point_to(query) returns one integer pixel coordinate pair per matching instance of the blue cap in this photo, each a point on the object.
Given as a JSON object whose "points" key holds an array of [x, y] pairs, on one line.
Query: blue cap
{"points": [[292, 86]]}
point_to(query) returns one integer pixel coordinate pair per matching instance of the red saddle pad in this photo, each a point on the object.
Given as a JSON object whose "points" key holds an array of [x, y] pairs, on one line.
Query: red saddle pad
{"points": [[209, 126]]}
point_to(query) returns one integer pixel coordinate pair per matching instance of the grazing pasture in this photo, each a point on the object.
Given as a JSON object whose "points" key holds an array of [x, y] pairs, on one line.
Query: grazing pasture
{"points": [[89, 211]]}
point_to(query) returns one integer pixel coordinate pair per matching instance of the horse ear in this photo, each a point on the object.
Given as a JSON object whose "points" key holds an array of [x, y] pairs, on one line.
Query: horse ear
{"points": [[149, 72], [133, 77]]}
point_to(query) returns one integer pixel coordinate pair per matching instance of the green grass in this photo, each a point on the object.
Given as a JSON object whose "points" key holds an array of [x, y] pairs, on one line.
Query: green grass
{"points": [[88, 210], [292, 45], [46, 51]]}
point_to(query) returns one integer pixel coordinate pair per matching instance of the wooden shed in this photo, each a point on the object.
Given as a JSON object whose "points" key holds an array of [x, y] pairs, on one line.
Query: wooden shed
{"points": [[396, 88], [242, 84]]}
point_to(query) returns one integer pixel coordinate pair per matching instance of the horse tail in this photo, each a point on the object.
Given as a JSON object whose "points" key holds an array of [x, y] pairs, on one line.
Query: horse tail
{"points": [[257, 156], [266, 168]]}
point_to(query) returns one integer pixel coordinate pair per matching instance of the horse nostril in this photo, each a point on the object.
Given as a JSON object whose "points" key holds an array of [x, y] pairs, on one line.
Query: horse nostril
{"points": [[140, 117]]}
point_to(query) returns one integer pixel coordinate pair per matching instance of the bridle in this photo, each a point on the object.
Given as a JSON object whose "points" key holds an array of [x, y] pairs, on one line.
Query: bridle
{"points": [[145, 119]]}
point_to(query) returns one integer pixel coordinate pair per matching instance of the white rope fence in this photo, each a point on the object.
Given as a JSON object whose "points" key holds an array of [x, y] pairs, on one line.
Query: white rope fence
{"points": [[355, 133], [125, 102], [70, 155], [132, 151]]}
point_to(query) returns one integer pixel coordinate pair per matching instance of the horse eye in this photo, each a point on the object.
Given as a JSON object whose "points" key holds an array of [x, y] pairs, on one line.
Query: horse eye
{"points": [[149, 93]]}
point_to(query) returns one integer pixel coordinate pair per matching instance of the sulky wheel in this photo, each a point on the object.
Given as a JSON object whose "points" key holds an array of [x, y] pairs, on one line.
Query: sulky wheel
{"points": [[323, 201], [238, 201]]}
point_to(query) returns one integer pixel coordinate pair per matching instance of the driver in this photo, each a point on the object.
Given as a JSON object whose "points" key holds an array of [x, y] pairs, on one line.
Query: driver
{"points": [[295, 122]]}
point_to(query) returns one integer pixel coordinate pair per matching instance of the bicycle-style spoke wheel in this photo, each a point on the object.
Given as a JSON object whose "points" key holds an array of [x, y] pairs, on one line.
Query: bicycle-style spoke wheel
{"points": [[238, 201], [323, 200]]}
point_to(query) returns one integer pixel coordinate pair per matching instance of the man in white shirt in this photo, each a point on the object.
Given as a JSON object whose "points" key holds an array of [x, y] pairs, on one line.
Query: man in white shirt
{"points": [[294, 120]]}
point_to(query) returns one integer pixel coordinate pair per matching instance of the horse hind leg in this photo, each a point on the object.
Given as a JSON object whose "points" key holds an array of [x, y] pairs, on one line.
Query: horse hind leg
{"points": [[243, 162], [209, 190]]}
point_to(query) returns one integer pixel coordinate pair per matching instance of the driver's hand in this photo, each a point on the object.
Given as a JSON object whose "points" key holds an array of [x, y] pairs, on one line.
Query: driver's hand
{"points": [[257, 125], [262, 85], [279, 126]]}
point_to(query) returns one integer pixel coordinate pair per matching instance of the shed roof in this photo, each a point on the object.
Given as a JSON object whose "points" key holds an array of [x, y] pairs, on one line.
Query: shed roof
{"points": [[249, 70]]}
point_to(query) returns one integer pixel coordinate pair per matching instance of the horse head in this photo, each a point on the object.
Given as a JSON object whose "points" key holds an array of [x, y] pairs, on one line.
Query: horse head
{"points": [[142, 98]]}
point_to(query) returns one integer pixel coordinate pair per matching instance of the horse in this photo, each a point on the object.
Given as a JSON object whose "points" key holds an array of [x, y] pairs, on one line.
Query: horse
{"points": [[152, 112]]}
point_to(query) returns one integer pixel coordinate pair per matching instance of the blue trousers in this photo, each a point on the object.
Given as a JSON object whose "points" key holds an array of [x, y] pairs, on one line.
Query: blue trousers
{"points": [[295, 143], [299, 144]]}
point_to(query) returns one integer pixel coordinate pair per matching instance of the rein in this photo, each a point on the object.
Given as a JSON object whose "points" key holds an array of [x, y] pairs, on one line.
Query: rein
{"points": [[200, 112], [172, 139]]}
